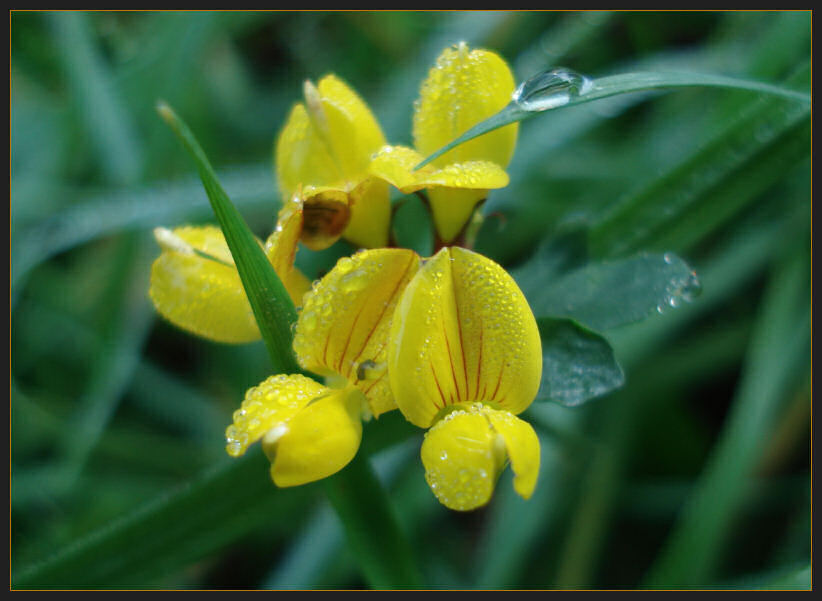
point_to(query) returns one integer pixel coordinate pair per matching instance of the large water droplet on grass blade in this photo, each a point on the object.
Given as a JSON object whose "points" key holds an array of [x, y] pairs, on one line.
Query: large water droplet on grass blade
{"points": [[550, 89]]}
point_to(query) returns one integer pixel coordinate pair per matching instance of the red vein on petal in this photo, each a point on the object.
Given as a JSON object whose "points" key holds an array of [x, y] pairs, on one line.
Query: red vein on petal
{"points": [[437, 382], [499, 381], [479, 362], [348, 340], [459, 330], [384, 309]]}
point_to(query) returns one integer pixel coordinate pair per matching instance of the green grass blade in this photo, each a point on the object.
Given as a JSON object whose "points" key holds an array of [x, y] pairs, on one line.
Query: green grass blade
{"points": [[269, 299], [563, 88], [781, 341], [187, 525], [577, 365], [107, 121]]}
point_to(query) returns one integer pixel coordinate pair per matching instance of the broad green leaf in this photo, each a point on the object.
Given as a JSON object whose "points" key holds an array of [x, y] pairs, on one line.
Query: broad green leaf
{"points": [[613, 293], [272, 306], [563, 87], [577, 364]]}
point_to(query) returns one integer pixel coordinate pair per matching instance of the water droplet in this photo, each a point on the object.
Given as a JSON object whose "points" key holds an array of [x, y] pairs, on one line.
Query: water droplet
{"points": [[669, 258], [551, 89]]}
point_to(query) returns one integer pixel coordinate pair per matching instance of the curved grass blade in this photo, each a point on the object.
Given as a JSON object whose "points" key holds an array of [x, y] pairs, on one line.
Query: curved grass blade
{"points": [[563, 87], [269, 299]]}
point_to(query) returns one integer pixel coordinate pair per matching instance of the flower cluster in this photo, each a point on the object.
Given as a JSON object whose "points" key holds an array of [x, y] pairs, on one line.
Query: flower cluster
{"points": [[447, 340]]}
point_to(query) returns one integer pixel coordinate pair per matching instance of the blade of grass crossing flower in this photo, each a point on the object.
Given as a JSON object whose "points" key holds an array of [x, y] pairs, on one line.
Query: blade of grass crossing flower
{"points": [[371, 527], [269, 299], [562, 87]]}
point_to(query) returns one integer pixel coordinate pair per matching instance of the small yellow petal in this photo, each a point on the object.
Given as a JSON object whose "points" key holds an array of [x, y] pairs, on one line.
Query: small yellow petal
{"points": [[318, 441], [451, 209], [272, 403], [522, 445], [462, 333], [327, 144], [462, 89], [354, 134], [395, 164], [370, 220], [465, 451], [281, 250], [345, 320], [302, 158], [462, 459], [199, 289]]}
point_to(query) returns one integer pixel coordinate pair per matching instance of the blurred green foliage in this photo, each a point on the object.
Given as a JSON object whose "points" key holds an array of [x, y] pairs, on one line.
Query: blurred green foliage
{"points": [[695, 474]]}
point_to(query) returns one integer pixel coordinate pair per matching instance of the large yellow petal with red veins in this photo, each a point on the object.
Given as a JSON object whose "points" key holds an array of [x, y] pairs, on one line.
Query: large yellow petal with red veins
{"points": [[345, 320], [370, 209], [465, 451], [462, 333], [195, 285], [463, 88], [281, 250], [318, 441], [269, 405]]}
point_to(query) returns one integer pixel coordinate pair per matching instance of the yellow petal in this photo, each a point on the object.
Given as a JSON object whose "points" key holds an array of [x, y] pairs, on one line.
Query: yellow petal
{"points": [[345, 320], [318, 441], [395, 164], [465, 451], [272, 403], [462, 89], [452, 209], [354, 134], [370, 220], [462, 459], [302, 158], [195, 285], [281, 250], [328, 142], [462, 333], [522, 445]]}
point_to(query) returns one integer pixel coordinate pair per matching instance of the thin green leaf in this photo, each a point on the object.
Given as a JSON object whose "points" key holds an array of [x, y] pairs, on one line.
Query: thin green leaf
{"points": [[107, 121], [577, 364], [609, 294], [562, 87], [269, 299]]}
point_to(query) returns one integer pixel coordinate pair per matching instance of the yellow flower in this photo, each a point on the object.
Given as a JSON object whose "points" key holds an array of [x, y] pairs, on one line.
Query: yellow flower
{"points": [[322, 158], [464, 358], [310, 430], [196, 286], [462, 89]]}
